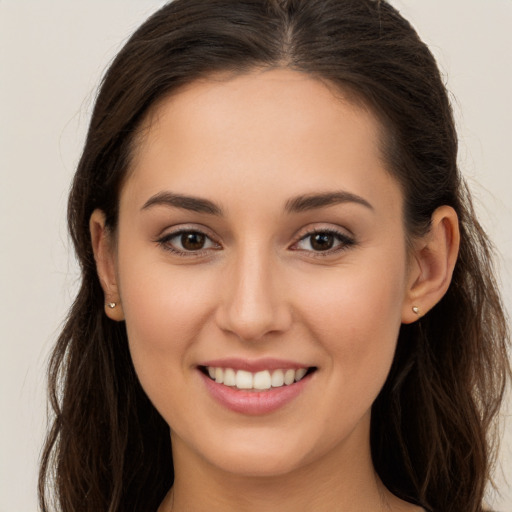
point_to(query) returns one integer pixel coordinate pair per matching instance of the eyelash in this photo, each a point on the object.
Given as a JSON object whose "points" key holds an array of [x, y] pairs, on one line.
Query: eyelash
{"points": [[345, 242], [164, 242]]}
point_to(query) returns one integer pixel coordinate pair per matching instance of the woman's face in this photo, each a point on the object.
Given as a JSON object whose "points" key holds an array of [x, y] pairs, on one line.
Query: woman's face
{"points": [[260, 237]]}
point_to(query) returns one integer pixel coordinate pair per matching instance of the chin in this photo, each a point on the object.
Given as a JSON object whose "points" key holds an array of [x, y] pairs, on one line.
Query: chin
{"points": [[255, 465], [261, 456]]}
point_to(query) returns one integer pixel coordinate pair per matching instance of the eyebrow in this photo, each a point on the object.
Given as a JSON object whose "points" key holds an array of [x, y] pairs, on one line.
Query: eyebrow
{"points": [[194, 204], [297, 204], [313, 201]]}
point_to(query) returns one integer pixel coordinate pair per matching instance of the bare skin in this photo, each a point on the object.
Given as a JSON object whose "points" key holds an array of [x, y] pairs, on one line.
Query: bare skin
{"points": [[291, 493], [255, 157]]}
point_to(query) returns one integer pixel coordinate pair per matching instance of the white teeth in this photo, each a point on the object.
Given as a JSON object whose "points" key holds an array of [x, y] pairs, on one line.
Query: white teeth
{"points": [[229, 377], [289, 377], [262, 380], [300, 373], [277, 378], [243, 379]]}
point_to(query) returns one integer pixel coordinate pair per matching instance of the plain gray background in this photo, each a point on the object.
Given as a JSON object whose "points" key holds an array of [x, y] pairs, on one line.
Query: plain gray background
{"points": [[52, 55]]}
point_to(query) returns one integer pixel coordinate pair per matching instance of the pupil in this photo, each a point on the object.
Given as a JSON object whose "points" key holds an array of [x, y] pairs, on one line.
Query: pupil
{"points": [[322, 241], [192, 241]]}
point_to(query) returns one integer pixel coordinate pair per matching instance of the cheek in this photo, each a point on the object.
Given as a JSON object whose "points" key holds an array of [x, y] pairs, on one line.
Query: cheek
{"points": [[356, 316], [165, 309]]}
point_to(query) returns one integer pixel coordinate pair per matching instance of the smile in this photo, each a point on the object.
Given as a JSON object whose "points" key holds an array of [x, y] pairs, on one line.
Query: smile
{"points": [[260, 381], [255, 387]]}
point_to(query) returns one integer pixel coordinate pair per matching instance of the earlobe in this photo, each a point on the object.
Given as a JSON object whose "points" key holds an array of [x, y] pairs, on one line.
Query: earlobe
{"points": [[104, 255], [434, 259]]}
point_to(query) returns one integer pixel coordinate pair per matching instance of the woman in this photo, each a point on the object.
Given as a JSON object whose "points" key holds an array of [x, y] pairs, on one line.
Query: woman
{"points": [[283, 277]]}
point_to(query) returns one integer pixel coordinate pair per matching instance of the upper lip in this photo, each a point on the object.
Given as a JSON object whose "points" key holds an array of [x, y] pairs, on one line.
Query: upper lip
{"points": [[254, 365]]}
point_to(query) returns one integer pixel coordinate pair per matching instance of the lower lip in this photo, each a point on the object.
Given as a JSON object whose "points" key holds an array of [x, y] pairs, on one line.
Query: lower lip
{"points": [[254, 402]]}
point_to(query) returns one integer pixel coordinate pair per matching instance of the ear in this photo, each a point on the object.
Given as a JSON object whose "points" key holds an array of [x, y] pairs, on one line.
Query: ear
{"points": [[432, 264], [104, 253]]}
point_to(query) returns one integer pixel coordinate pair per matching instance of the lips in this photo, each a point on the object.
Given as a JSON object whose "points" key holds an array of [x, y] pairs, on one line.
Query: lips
{"points": [[255, 387]]}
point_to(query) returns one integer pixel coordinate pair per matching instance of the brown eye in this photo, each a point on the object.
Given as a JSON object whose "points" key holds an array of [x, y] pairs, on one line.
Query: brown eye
{"points": [[193, 241], [187, 243], [322, 241]]}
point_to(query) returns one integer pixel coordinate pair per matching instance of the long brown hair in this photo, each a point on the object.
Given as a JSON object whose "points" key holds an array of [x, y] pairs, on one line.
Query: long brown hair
{"points": [[432, 431]]}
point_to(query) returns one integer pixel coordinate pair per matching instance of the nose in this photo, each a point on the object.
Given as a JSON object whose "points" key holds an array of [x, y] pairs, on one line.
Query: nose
{"points": [[253, 298]]}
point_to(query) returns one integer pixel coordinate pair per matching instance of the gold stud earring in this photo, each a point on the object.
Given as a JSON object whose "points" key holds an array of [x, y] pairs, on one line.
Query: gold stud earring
{"points": [[416, 310], [111, 305]]}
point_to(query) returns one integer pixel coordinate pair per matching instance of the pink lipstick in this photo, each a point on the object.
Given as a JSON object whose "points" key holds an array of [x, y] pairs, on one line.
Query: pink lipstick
{"points": [[254, 387]]}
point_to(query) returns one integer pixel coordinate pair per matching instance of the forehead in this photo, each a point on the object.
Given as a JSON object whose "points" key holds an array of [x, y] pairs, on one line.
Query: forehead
{"points": [[259, 130], [267, 98]]}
